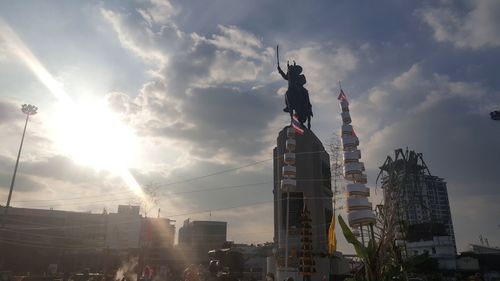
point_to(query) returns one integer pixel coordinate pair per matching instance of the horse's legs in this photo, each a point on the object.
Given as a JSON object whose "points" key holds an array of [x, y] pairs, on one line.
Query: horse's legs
{"points": [[287, 104]]}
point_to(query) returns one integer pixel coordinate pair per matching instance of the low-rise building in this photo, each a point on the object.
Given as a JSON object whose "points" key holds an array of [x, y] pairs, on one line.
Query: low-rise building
{"points": [[34, 240], [481, 261], [255, 259], [196, 238]]}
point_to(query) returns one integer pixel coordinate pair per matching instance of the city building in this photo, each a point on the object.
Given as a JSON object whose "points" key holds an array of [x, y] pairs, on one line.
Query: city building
{"points": [[158, 253], [196, 238], [302, 177], [34, 240], [423, 207], [480, 262], [255, 259], [123, 229]]}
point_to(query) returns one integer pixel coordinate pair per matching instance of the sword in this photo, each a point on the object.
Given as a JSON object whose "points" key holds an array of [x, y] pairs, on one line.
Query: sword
{"points": [[278, 54]]}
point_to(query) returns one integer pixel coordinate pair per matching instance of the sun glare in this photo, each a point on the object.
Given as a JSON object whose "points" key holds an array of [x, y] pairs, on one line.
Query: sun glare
{"points": [[94, 136], [90, 134]]}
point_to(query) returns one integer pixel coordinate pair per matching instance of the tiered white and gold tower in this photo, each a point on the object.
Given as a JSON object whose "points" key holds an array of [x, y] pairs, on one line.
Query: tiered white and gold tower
{"points": [[359, 209], [288, 184]]}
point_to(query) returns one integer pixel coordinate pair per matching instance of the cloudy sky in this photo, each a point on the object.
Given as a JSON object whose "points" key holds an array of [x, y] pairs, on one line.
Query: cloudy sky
{"points": [[183, 99]]}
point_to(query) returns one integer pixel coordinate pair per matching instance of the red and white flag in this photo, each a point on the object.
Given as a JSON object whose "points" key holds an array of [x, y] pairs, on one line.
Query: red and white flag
{"points": [[342, 96], [296, 125]]}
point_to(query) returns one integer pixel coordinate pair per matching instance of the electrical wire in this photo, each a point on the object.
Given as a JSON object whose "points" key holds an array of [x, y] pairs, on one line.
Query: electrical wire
{"points": [[171, 183], [160, 196], [163, 195], [176, 215]]}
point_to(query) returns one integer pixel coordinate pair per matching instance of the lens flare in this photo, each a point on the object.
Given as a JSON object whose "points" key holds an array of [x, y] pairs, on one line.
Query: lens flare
{"points": [[92, 135]]}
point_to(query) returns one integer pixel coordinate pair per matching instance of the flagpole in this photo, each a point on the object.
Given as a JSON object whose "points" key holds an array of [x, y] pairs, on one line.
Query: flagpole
{"points": [[287, 221], [278, 190], [335, 190]]}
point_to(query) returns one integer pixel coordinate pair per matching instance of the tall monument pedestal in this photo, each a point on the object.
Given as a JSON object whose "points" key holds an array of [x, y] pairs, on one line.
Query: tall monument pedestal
{"points": [[301, 178]]}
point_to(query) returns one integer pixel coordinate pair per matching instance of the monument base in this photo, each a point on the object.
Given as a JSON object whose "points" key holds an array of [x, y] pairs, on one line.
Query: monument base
{"points": [[283, 273]]}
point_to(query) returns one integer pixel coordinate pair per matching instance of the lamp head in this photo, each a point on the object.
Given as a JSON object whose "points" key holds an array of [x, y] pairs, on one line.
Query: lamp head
{"points": [[29, 109]]}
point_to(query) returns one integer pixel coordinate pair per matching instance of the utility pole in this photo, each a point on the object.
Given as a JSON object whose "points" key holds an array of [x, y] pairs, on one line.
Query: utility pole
{"points": [[27, 109]]}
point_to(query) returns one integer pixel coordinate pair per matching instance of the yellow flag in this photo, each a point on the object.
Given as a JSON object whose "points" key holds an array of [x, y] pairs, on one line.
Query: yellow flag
{"points": [[332, 238]]}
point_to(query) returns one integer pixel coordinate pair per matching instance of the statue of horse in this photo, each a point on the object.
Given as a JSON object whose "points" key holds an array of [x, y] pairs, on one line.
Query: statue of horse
{"points": [[297, 97]]}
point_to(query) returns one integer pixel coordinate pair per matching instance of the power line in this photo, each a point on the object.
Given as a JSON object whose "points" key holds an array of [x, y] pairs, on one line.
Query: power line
{"points": [[170, 216], [171, 183], [160, 196], [163, 195], [45, 246]]}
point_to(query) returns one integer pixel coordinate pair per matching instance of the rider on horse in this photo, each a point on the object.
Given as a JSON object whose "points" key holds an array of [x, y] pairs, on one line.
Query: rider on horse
{"points": [[297, 97]]}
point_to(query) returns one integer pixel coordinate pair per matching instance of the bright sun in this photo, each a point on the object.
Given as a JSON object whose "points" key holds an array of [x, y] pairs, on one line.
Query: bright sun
{"points": [[94, 136], [90, 134]]}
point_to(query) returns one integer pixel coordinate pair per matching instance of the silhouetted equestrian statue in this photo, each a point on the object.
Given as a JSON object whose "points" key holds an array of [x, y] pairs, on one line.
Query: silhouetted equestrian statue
{"points": [[297, 97]]}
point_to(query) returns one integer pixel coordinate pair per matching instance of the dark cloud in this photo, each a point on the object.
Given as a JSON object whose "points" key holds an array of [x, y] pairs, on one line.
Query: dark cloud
{"points": [[189, 67], [23, 182], [36, 174], [64, 169], [9, 112], [225, 120]]}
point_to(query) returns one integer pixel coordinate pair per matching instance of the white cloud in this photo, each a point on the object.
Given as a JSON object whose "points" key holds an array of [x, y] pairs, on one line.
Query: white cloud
{"points": [[240, 41], [157, 11], [413, 92], [140, 39], [324, 66], [479, 27], [227, 69]]}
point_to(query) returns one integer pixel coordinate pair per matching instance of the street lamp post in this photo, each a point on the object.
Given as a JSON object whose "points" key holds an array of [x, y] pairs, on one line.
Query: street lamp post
{"points": [[27, 109]]}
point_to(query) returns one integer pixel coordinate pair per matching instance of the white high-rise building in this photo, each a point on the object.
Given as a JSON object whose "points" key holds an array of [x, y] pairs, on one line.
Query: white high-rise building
{"points": [[424, 208]]}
